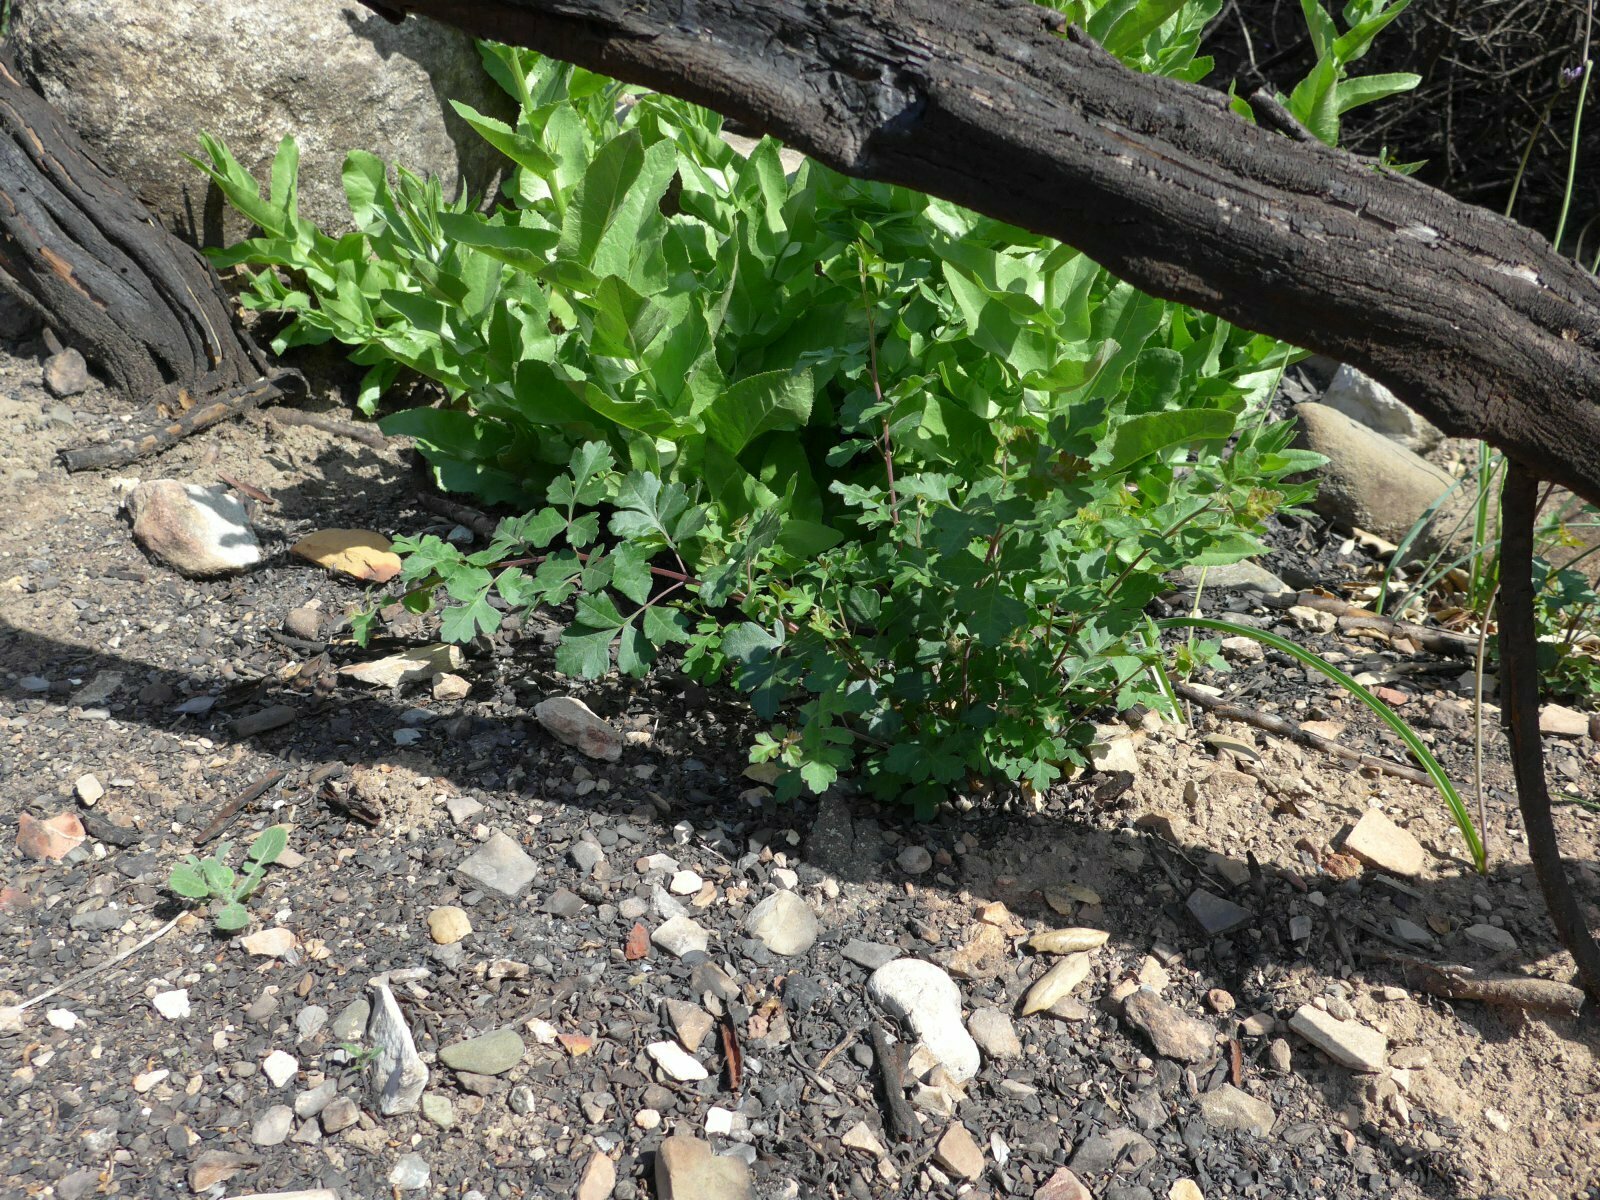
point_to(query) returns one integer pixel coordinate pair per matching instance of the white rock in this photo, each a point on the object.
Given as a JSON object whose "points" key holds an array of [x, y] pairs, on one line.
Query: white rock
{"points": [[269, 943], [174, 1005], [415, 665], [397, 1075], [63, 1018], [1114, 753], [280, 1067], [685, 883], [1379, 842], [681, 935], [272, 1127], [677, 1062], [929, 1001], [200, 531], [1491, 937], [1364, 399], [1349, 1043], [1558, 720], [784, 924], [570, 720], [90, 789]]}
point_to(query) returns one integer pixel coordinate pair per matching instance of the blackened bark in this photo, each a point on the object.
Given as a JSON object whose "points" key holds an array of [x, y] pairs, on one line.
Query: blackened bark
{"points": [[1470, 318], [77, 247]]}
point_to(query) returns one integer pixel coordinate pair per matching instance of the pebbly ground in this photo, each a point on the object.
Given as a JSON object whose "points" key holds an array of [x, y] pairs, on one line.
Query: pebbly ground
{"points": [[115, 667]]}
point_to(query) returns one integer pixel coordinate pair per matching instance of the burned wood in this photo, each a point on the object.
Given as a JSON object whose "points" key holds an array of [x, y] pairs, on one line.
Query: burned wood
{"points": [[1450, 981], [1353, 617], [231, 809], [899, 1118], [367, 435]]}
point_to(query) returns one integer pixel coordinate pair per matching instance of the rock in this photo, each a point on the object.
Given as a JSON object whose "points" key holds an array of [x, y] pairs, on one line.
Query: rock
{"points": [[957, 1153], [500, 866], [1368, 402], [199, 531], [436, 1107], [1059, 981], [993, 1031], [1112, 754], [1217, 915], [1280, 1055], [280, 1068], [51, 840], [310, 1103], [1173, 1033], [1491, 937], [681, 935], [599, 1178], [1230, 1108], [1063, 1185], [269, 943], [1560, 721], [586, 856], [351, 1023], [783, 923], [417, 664], [685, 883], [1235, 577], [1185, 1189], [343, 1112], [570, 720], [1369, 481], [66, 374], [488, 1054], [870, 955], [89, 790], [272, 1127], [1348, 1043], [1379, 842], [448, 925], [930, 1002], [304, 622], [1125, 1149], [212, 1167], [359, 553], [397, 1075], [838, 845], [447, 686], [244, 73], [77, 1184], [1219, 1001], [63, 1018], [860, 1137], [1067, 941], [1410, 931], [410, 1173], [914, 860], [686, 1169], [174, 1006], [676, 1062], [690, 1023], [563, 903], [274, 716]]}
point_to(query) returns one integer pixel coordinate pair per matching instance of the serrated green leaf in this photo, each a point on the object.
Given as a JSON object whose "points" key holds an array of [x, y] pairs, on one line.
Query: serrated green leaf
{"points": [[765, 403], [663, 625], [585, 653], [598, 612]]}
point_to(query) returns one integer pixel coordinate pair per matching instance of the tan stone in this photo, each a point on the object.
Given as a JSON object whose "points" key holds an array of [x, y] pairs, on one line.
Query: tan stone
{"points": [[958, 1153], [448, 925], [599, 1177], [50, 840], [1379, 842], [1067, 941], [686, 1169], [1063, 1185], [1058, 981]]}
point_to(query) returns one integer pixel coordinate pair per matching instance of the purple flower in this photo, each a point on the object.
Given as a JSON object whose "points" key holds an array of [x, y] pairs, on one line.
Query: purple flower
{"points": [[1573, 74]]}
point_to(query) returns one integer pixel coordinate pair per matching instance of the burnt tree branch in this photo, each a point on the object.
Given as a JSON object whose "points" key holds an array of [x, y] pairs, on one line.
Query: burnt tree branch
{"points": [[1470, 318]]}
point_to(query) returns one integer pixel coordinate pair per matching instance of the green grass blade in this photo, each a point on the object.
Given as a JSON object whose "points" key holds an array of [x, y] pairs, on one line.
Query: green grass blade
{"points": [[1458, 809]]}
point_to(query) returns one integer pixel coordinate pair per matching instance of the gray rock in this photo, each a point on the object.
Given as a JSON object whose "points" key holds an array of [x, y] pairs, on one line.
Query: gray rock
{"points": [[78, 1184], [500, 866], [66, 374], [1491, 938], [410, 1173], [140, 81], [1364, 399], [1173, 1033], [311, 1102], [563, 903], [341, 1113], [308, 1022], [928, 1000], [1125, 1150], [272, 1127], [397, 1075], [870, 955], [489, 1054], [1409, 931], [1379, 842], [914, 860], [304, 622], [436, 1107], [1280, 1055], [586, 856], [784, 923], [1230, 1108], [197, 530], [680, 936], [351, 1023], [1216, 915], [1235, 577], [274, 716], [462, 809], [995, 1034]]}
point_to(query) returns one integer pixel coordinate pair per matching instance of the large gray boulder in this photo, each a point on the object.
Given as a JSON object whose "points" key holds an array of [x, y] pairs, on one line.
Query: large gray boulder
{"points": [[140, 80]]}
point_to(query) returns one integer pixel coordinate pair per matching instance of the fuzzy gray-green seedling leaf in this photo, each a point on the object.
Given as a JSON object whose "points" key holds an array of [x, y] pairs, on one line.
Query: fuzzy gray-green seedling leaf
{"points": [[218, 876], [232, 916], [188, 882], [269, 844]]}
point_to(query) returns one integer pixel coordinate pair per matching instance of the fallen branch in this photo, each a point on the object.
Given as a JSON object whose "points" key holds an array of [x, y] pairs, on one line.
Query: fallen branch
{"points": [[1353, 617], [1453, 982], [231, 809], [1284, 727], [368, 435]]}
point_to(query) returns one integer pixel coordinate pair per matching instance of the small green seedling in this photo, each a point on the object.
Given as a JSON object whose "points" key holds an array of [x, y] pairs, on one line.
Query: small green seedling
{"points": [[212, 879], [360, 1056]]}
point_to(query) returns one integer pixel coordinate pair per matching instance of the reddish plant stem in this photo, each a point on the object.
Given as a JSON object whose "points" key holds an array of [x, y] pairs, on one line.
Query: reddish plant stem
{"points": [[885, 444]]}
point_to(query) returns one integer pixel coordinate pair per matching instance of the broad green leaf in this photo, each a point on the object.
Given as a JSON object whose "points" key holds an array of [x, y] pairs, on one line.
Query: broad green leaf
{"points": [[630, 572], [621, 188], [218, 875], [1138, 437], [232, 916], [585, 653], [268, 845], [1369, 88], [526, 246], [188, 883], [776, 400]]}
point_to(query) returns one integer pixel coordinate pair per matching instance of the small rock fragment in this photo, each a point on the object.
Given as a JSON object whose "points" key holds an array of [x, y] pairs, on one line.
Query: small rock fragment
{"points": [[1217, 915], [500, 866], [359, 553], [1560, 721], [914, 860], [304, 622], [1173, 1033], [783, 923], [1379, 842], [488, 1054], [280, 1068], [1059, 981], [1127, 1150], [89, 790], [686, 1169], [1063, 1185], [410, 1173], [416, 664], [930, 1002], [599, 1178], [174, 1005], [995, 1034], [677, 1063], [1348, 1043], [436, 1107], [1185, 1189], [1067, 941], [269, 943], [1491, 937], [199, 531], [690, 1023], [272, 1127], [860, 1137], [570, 720], [958, 1153], [212, 1167], [1230, 1108], [49, 841], [66, 373], [447, 686], [448, 925], [680, 936], [341, 1113]]}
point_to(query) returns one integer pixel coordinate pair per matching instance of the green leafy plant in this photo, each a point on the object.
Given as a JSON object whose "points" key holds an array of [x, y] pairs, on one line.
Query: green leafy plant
{"points": [[1329, 91], [212, 879], [360, 1057], [906, 475]]}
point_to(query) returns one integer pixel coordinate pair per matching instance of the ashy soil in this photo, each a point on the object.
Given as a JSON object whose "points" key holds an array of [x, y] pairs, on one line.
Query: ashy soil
{"points": [[113, 665]]}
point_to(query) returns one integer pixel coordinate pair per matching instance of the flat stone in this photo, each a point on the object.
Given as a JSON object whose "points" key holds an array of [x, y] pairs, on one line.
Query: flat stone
{"points": [[1217, 915], [995, 1034], [586, 856], [958, 1153], [1056, 983], [1230, 1108], [1063, 1185], [1185, 1189], [449, 686], [914, 860], [343, 1112], [448, 925], [1410, 931], [436, 1107], [416, 664], [309, 1021], [690, 1023], [280, 1068], [860, 1137], [89, 790], [269, 943], [397, 1076], [272, 1127], [489, 1054], [1559, 721], [174, 1005], [925, 997], [681, 935], [676, 1062], [1348, 1043], [274, 716], [1173, 1033], [570, 720], [783, 923], [199, 531], [564, 903], [351, 1023], [1491, 937], [462, 809], [599, 1179], [1365, 400], [1379, 842], [500, 866], [304, 622], [1244, 576], [1125, 1149], [870, 955], [51, 840], [686, 1169], [410, 1173], [312, 1101]]}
